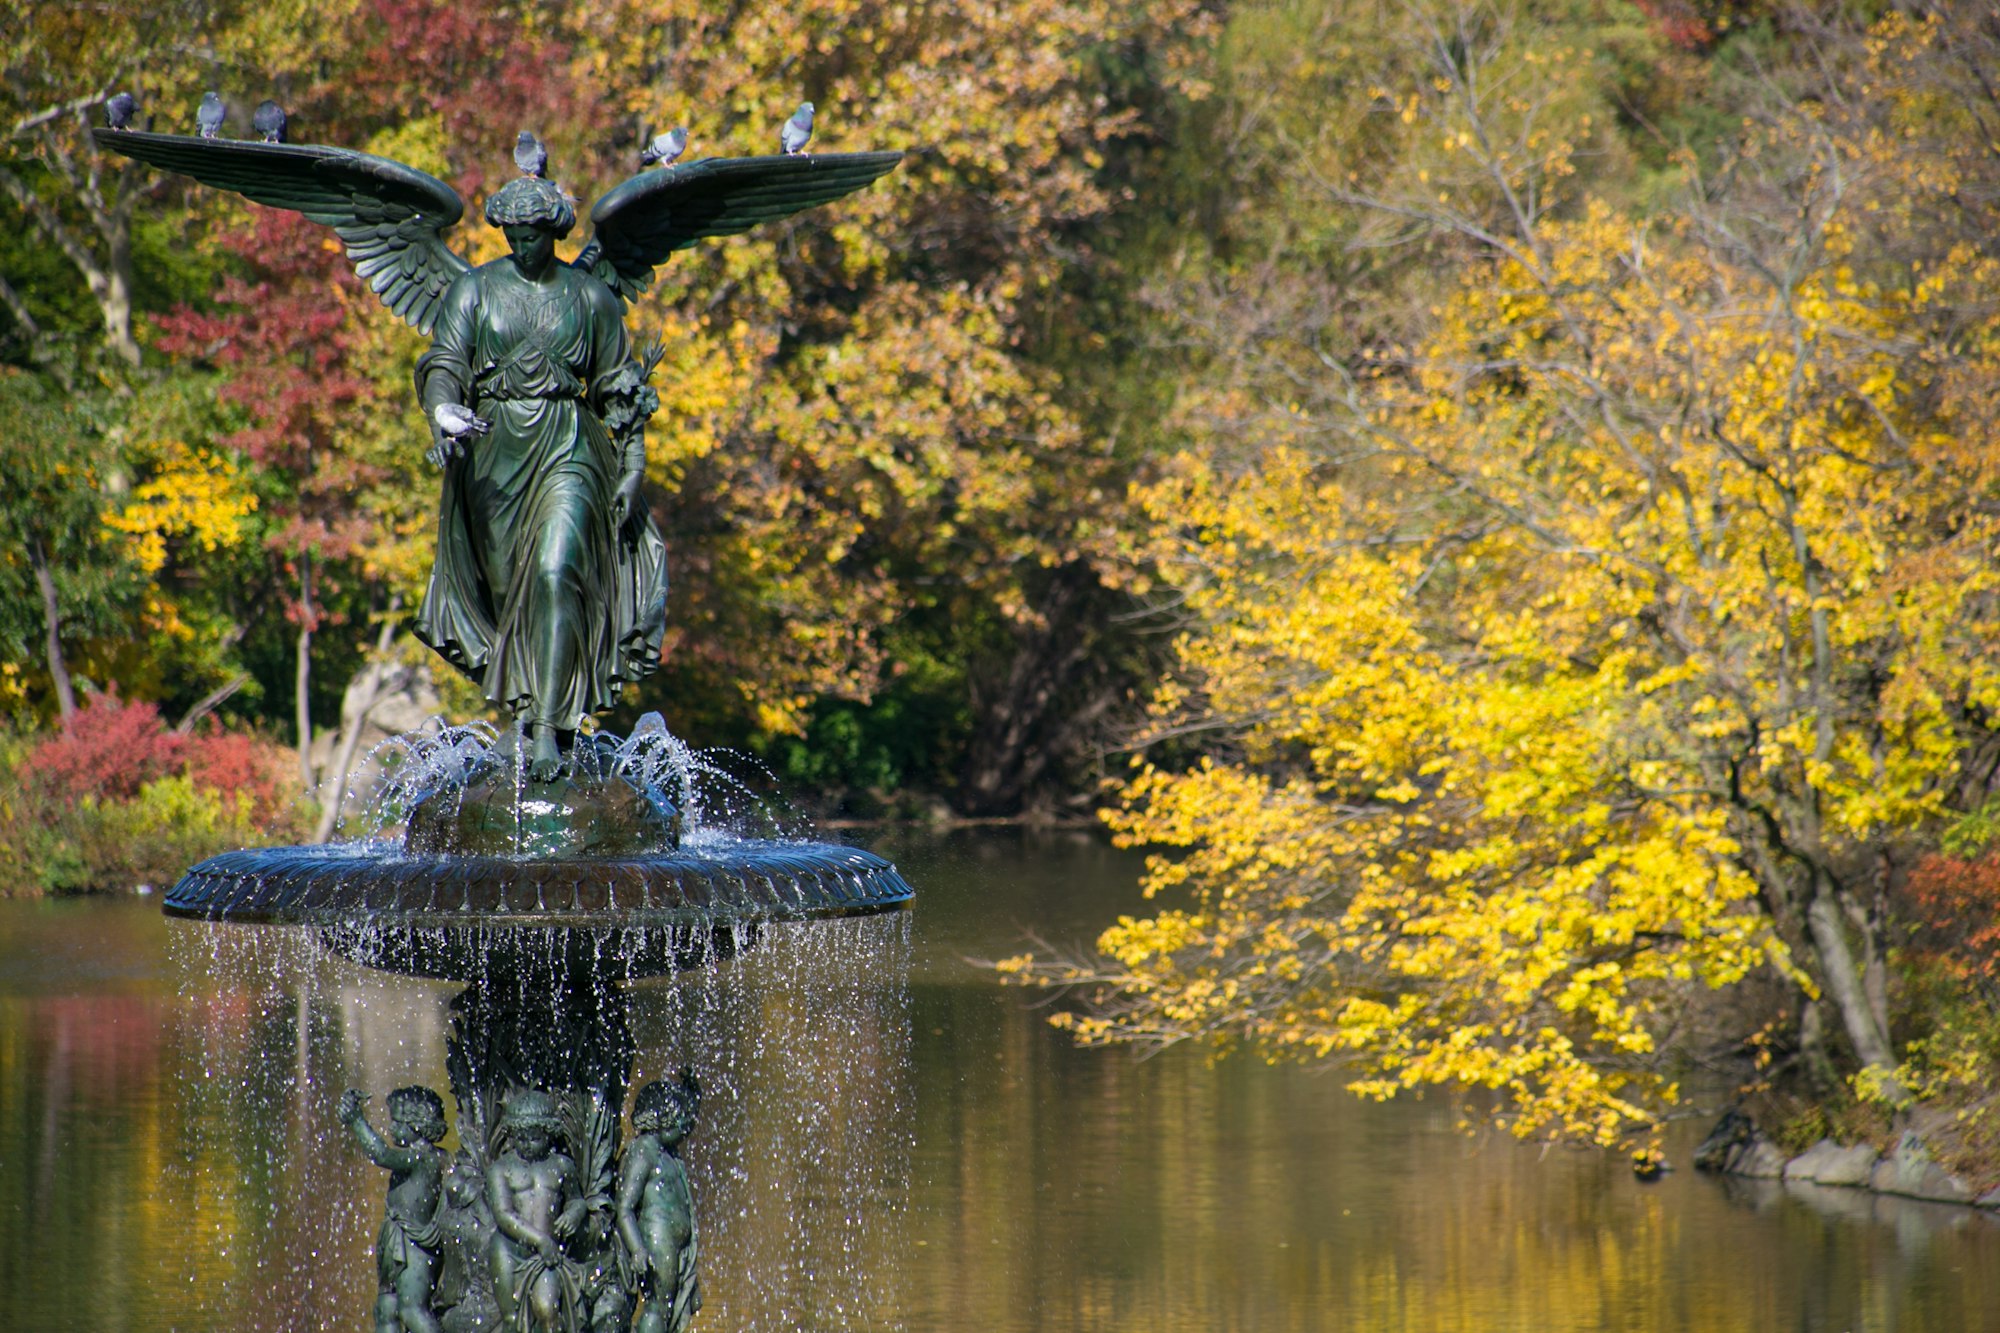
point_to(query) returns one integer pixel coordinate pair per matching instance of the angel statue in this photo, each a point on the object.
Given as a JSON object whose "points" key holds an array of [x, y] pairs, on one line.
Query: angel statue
{"points": [[549, 587]]}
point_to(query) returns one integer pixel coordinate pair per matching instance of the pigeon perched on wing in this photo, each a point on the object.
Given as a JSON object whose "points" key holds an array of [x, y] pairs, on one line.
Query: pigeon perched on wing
{"points": [[208, 117], [269, 121], [119, 110], [798, 131], [530, 156], [665, 148], [456, 421]]}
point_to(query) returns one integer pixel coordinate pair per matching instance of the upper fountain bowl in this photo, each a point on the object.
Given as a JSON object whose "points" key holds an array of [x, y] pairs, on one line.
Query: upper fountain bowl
{"points": [[488, 859]]}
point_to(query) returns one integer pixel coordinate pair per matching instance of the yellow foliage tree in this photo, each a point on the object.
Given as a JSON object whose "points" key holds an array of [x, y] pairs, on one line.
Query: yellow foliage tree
{"points": [[1595, 647]]}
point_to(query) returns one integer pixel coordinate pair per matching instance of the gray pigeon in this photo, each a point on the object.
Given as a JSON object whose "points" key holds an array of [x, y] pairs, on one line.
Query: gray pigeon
{"points": [[455, 421], [530, 156], [798, 131], [209, 115], [269, 120], [666, 148], [119, 110]]}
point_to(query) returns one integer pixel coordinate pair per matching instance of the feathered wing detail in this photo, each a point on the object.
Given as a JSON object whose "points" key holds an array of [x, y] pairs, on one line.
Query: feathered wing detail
{"points": [[656, 213], [390, 217]]}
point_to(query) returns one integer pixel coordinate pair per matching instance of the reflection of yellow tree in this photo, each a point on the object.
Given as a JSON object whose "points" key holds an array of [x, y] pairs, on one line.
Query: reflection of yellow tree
{"points": [[1072, 1191], [1643, 609]]}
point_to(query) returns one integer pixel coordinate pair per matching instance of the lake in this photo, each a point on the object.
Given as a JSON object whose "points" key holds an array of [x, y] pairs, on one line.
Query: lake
{"points": [[889, 1140]]}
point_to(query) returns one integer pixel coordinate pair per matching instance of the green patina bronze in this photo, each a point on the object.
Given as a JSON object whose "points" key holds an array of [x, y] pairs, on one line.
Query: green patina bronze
{"points": [[549, 587], [590, 811]]}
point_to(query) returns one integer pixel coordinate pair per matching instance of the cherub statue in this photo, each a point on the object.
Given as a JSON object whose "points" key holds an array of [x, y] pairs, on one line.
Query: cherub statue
{"points": [[656, 1205], [549, 586], [537, 1205], [406, 1254]]}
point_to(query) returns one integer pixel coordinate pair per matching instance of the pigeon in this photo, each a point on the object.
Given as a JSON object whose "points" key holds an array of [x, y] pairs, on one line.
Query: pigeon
{"points": [[455, 421], [666, 148], [530, 156], [209, 116], [269, 120], [798, 130], [119, 110]]}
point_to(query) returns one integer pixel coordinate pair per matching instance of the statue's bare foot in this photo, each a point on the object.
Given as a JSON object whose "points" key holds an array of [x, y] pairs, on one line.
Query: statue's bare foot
{"points": [[544, 758]]}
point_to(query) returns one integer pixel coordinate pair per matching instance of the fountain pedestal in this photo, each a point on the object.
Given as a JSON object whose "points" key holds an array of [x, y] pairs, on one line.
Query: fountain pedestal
{"points": [[541, 1050]]}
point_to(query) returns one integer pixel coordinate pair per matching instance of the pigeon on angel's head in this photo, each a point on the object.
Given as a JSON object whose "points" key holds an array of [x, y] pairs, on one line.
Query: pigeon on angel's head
{"points": [[798, 131], [529, 155], [269, 121], [665, 149], [209, 115], [119, 109]]}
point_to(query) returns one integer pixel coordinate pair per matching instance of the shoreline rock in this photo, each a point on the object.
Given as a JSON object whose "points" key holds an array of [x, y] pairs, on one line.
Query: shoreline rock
{"points": [[1909, 1171], [1736, 1147], [1828, 1163]]}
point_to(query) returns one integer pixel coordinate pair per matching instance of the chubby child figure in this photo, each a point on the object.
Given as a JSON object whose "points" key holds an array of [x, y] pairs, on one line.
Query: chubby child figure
{"points": [[407, 1252], [656, 1205], [537, 1206]]}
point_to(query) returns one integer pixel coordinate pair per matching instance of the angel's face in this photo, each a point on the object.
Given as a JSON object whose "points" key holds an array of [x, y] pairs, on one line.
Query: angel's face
{"points": [[533, 246]]}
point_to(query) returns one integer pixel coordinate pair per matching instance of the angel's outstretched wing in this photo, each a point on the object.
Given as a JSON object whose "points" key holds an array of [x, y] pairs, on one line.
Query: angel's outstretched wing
{"points": [[652, 215], [391, 218]]}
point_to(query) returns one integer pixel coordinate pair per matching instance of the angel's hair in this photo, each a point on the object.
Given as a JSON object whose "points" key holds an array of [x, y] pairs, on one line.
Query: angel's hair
{"points": [[531, 201]]}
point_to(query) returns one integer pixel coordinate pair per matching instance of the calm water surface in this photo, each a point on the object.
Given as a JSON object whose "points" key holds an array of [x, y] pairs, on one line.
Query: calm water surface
{"points": [[877, 1153]]}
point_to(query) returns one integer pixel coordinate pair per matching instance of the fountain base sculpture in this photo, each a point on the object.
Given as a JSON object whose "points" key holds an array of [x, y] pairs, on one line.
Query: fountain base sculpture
{"points": [[546, 897], [541, 1219]]}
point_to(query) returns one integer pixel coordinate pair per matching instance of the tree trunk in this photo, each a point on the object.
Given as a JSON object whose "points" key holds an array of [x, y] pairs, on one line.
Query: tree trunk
{"points": [[350, 739], [302, 681], [1846, 984], [52, 614], [114, 299], [1033, 719], [1820, 1073]]}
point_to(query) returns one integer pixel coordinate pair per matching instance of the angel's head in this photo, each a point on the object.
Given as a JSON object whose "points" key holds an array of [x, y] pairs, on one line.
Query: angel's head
{"points": [[533, 212]]}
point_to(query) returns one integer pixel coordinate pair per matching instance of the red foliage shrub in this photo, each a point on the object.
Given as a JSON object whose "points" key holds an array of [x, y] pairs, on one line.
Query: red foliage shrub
{"points": [[1957, 903], [112, 748], [234, 763], [109, 750]]}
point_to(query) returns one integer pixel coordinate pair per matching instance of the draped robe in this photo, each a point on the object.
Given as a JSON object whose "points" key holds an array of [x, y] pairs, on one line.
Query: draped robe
{"points": [[536, 592]]}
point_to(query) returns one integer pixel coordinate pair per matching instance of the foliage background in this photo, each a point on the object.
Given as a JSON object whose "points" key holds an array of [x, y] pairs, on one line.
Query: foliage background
{"points": [[1515, 478]]}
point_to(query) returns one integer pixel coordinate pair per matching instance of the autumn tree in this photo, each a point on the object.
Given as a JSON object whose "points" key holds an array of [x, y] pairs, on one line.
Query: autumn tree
{"points": [[1596, 637], [58, 63], [62, 577]]}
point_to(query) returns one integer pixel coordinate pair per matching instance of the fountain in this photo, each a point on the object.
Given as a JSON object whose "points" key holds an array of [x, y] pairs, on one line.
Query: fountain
{"points": [[548, 865]]}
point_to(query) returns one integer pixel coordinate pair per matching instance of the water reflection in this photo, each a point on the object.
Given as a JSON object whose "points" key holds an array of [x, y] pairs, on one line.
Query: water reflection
{"points": [[877, 1155]]}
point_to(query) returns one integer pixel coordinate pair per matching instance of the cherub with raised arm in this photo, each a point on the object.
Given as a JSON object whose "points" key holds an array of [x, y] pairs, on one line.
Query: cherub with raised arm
{"points": [[406, 1254], [656, 1204], [537, 1204]]}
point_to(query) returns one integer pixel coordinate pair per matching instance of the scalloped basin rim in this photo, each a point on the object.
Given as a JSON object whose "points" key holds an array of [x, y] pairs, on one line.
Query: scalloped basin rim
{"points": [[382, 886]]}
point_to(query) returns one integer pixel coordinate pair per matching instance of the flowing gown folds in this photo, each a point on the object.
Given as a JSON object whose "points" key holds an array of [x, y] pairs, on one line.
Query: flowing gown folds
{"points": [[536, 592]]}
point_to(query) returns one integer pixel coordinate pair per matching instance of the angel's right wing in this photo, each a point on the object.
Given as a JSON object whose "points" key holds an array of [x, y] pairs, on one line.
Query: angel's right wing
{"points": [[658, 212], [392, 218]]}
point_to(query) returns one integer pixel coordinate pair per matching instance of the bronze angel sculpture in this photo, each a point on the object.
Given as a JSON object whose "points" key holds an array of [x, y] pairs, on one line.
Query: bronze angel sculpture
{"points": [[549, 586]]}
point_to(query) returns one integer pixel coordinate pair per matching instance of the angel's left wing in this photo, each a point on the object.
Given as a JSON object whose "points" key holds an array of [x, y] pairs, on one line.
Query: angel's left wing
{"points": [[654, 214], [390, 217]]}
